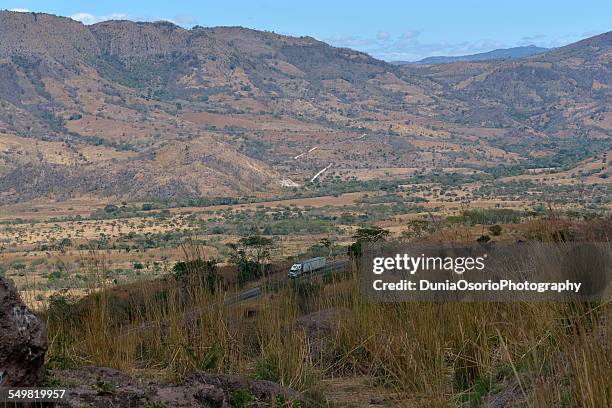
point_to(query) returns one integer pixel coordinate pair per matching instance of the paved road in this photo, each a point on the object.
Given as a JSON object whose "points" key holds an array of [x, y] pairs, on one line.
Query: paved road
{"points": [[254, 293]]}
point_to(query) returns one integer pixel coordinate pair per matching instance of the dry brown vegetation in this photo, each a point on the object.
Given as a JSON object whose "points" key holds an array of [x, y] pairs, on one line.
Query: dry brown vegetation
{"points": [[320, 337], [219, 131], [43, 254], [143, 111]]}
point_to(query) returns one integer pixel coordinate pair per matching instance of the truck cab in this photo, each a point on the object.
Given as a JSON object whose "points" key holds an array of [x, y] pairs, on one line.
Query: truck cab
{"points": [[295, 271]]}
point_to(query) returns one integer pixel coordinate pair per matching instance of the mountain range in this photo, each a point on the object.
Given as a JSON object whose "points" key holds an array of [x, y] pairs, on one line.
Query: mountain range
{"points": [[498, 54], [140, 111]]}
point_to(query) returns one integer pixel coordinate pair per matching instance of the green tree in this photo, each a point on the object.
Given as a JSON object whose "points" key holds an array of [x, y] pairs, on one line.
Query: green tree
{"points": [[250, 256], [364, 235], [258, 246], [371, 234], [326, 242], [418, 228], [204, 271]]}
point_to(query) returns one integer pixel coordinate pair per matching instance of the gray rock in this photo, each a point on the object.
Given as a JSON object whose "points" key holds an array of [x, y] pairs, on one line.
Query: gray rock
{"points": [[103, 387], [23, 341]]}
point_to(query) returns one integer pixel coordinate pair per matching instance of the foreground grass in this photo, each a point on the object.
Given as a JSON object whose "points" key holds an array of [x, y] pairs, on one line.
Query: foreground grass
{"points": [[424, 354]]}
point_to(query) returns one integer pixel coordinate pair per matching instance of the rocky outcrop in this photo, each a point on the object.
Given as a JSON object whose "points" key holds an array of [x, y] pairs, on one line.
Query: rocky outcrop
{"points": [[319, 328], [104, 387], [23, 341]]}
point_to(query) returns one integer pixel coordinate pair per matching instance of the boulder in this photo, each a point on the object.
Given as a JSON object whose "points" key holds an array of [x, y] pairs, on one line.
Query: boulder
{"points": [[319, 328], [23, 341]]}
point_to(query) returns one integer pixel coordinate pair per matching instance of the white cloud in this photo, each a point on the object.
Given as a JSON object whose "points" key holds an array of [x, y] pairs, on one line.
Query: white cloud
{"points": [[553, 42], [411, 46], [408, 46], [350, 41], [383, 36], [87, 18], [20, 10], [410, 36], [530, 39], [185, 19]]}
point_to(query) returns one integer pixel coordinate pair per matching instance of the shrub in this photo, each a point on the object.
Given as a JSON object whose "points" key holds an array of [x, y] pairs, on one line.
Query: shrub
{"points": [[483, 239], [198, 270], [495, 230], [242, 398], [110, 209]]}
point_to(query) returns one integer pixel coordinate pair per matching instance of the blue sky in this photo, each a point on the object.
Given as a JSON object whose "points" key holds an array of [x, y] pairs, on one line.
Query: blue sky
{"points": [[390, 30]]}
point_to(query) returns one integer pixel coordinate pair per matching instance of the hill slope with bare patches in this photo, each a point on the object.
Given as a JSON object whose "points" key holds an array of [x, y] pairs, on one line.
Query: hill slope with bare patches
{"points": [[154, 111]]}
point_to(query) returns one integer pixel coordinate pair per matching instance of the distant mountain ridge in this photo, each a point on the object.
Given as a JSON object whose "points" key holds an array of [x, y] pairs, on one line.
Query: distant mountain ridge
{"points": [[498, 54], [142, 111]]}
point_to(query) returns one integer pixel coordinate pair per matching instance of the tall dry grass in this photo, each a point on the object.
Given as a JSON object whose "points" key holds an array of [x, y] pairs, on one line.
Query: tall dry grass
{"points": [[180, 326], [558, 354], [424, 354]]}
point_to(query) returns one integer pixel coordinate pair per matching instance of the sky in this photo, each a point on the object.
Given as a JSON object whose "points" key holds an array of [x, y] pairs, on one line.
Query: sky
{"points": [[389, 30]]}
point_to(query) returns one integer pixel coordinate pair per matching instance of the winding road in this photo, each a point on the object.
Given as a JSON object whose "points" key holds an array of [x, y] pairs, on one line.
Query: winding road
{"points": [[255, 292]]}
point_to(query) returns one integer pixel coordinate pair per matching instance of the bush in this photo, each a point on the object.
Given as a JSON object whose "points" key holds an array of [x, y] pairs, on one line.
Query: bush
{"points": [[204, 271], [491, 216], [110, 209], [316, 250], [247, 270], [55, 275], [483, 239], [242, 398], [65, 242], [495, 230]]}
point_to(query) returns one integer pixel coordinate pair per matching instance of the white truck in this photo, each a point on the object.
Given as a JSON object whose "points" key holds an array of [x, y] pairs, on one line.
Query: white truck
{"points": [[307, 266]]}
